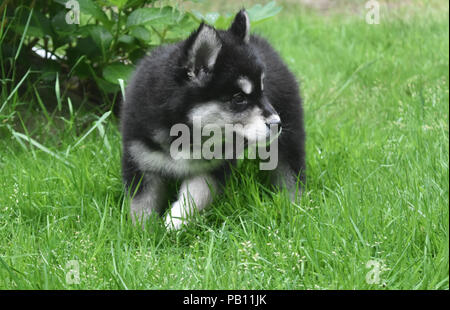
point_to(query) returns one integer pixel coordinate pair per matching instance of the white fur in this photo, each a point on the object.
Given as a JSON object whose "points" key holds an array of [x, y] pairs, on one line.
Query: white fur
{"points": [[157, 161], [211, 113], [195, 194], [274, 118], [254, 128], [245, 84], [262, 80], [253, 123]]}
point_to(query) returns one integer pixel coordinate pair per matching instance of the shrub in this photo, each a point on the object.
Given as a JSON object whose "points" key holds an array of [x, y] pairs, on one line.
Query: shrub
{"points": [[92, 53]]}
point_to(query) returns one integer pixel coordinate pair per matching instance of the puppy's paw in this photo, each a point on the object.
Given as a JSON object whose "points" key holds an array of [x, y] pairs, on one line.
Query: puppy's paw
{"points": [[173, 223]]}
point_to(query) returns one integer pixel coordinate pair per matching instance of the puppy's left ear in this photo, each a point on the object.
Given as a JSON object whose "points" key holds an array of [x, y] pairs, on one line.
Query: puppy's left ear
{"points": [[241, 26], [201, 50]]}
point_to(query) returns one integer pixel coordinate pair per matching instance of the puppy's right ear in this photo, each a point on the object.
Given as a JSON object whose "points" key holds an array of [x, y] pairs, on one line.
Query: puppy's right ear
{"points": [[201, 51]]}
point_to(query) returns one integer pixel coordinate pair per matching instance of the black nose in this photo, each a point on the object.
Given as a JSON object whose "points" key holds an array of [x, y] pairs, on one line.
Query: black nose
{"points": [[273, 119]]}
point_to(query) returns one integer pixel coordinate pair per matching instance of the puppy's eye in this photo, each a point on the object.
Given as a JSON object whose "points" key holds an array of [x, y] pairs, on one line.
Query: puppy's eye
{"points": [[239, 100]]}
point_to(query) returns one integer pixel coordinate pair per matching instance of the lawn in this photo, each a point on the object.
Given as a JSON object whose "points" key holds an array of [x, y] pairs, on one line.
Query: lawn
{"points": [[374, 213]]}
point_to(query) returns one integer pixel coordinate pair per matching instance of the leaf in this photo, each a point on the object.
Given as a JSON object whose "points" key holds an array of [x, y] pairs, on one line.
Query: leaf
{"points": [[101, 36], [91, 8], [116, 71], [182, 29], [259, 13], [60, 25], [106, 86], [209, 18], [118, 3], [223, 22], [136, 54], [156, 16], [126, 39], [215, 19], [256, 13], [85, 46], [141, 33], [40, 26]]}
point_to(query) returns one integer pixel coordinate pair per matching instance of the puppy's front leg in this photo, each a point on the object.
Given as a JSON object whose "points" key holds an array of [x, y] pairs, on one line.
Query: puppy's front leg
{"points": [[286, 177], [149, 199], [195, 194]]}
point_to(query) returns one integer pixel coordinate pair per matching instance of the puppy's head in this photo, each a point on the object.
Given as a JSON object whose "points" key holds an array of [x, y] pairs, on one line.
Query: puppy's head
{"points": [[225, 79]]}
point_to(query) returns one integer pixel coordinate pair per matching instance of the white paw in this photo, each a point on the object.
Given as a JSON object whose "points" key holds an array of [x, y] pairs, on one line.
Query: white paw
{"points": [[173, 223]]}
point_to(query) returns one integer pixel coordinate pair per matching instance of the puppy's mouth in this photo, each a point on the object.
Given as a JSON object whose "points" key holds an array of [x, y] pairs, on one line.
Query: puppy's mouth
{"points": [[273, 132], [273, 129]]}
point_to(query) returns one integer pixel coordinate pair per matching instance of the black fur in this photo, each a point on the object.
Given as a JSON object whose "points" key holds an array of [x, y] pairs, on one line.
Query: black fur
{"points": [[167, 84]]}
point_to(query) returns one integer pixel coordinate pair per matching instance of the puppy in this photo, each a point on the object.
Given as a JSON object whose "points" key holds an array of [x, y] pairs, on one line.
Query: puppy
{"points": [[215, 79]]}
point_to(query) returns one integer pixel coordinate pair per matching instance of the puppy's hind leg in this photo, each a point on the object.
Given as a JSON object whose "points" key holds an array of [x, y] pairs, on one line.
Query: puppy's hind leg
{"points": [[195, 194]]}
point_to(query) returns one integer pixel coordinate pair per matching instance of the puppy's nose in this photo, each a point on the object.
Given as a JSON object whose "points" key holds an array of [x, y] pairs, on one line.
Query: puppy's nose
{"points": [[273, 119]]}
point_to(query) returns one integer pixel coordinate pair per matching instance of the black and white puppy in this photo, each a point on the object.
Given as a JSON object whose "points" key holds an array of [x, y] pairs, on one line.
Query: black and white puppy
{"points": [[223, 77]]}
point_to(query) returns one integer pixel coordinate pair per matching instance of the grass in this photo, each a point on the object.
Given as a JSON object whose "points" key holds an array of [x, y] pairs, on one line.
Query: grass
{"points": [[377, 112]]}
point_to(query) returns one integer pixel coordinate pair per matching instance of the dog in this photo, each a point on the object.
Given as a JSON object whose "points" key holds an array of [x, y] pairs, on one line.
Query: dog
{"points": [[220, 77]]}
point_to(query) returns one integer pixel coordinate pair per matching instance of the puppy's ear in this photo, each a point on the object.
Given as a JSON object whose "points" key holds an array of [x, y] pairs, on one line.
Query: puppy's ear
{"points": [[241, 26], [201, 50]]}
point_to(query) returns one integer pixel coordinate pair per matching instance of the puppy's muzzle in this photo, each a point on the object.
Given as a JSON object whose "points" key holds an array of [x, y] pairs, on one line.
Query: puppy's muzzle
{"points": [[273, 119]]}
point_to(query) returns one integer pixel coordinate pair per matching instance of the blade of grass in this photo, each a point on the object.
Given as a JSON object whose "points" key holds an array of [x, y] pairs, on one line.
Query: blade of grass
{"points": [[27, 134], [347, 83], [39, 146], [3, 7], [41, 104], [10, 271], [58, 92], [97, 123], [122, 88], [23, 35], [116, 272], [75, 65], [101, 130], [15, 90]]}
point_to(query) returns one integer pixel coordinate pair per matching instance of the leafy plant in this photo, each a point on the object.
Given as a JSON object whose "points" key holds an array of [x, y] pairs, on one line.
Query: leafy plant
{"points": [[92, 51]]}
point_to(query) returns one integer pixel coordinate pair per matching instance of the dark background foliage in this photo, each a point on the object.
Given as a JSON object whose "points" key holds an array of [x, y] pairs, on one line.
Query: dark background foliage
{"points": [[88, 60]]}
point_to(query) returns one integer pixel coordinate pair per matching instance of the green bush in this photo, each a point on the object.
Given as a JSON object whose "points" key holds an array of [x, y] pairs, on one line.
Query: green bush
{"points": [[92, 56]]}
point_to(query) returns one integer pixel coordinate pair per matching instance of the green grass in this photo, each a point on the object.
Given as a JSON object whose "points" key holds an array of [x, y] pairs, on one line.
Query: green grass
{"points": [[377, 112]]}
